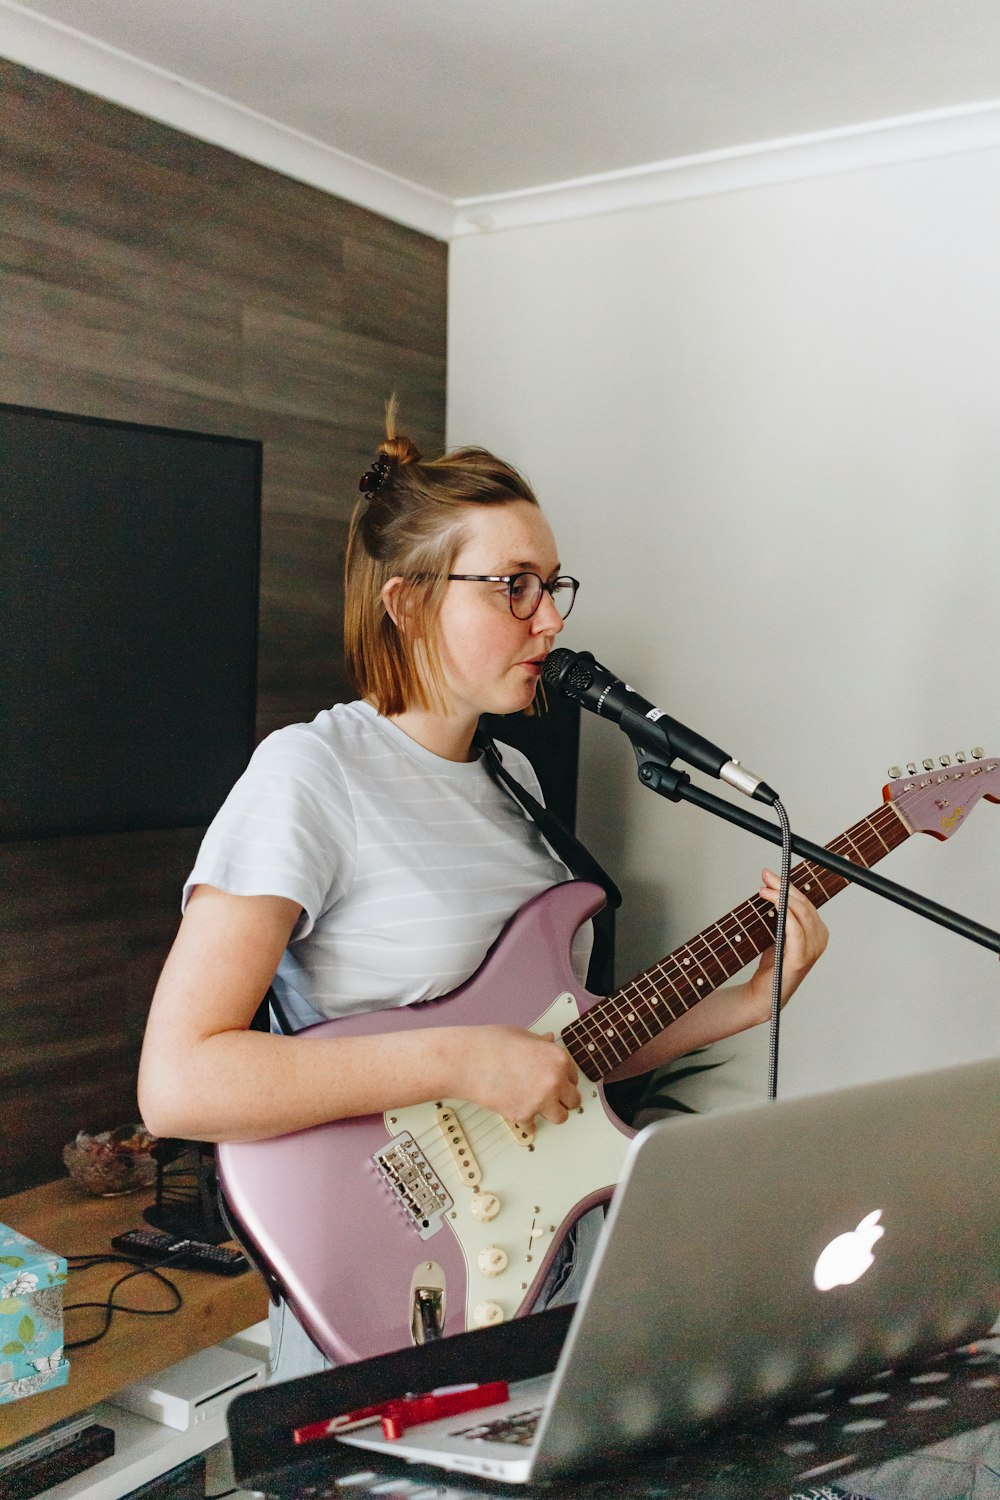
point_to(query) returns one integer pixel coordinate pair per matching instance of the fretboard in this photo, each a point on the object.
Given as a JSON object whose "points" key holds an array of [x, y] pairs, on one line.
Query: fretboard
{"points": [[614, 1029]]}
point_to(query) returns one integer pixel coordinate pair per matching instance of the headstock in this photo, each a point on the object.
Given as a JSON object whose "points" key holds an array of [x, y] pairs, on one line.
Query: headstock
{"points": [[937, 797]]}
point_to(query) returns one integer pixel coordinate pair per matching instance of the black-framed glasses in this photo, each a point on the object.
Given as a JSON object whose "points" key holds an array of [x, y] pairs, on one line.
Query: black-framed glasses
{"points": [[525, 590]]}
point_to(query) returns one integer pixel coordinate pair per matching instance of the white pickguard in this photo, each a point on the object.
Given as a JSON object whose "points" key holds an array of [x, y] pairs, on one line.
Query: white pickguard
{"points": [[538, 1187]]}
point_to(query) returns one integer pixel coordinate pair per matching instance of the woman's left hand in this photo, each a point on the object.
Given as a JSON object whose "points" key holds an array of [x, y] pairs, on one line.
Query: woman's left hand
{"points": [[737, 1007], [805, 939]]}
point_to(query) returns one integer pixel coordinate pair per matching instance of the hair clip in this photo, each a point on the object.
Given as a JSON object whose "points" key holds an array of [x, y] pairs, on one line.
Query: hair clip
{"points": [[374, 478]]}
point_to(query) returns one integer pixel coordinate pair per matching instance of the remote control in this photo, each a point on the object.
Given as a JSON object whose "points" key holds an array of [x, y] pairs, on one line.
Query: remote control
{"points": [[192, 1255]]}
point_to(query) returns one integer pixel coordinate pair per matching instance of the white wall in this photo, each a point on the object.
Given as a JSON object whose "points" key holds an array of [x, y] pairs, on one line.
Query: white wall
{"points": [[765, 426]]}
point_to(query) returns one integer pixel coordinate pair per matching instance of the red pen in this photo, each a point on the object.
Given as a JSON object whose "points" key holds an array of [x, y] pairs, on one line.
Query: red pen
{"points": [[407, 1411]]}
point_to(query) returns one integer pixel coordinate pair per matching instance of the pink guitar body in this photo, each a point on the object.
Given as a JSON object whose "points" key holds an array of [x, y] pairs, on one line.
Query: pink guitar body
{"points": [[353, 1254], [444, 1214]]}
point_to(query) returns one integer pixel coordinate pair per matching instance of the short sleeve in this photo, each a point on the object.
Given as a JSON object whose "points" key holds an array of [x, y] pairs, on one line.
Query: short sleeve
{"points": [[287, 828]]}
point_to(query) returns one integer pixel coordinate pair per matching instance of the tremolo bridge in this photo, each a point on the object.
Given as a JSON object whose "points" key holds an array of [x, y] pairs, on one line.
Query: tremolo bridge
{"points": [[413, 1182]]}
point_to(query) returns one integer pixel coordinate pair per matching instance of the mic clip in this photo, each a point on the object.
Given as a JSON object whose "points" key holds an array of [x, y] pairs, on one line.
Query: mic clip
{"points": [[659, 775]]}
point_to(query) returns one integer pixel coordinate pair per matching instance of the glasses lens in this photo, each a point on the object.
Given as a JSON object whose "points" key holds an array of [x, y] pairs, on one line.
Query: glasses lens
{"points": [[564, 594], [525, 594]]}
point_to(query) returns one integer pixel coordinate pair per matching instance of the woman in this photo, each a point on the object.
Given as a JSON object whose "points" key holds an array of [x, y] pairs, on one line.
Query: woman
{"points": [[368, 859]]}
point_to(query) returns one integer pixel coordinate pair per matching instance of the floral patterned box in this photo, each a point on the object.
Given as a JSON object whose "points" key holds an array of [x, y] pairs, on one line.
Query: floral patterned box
{"points": [[31, 1317]]}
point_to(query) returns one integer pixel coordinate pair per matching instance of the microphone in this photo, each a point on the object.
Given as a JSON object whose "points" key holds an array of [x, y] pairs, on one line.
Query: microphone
{"points": [[580, 677]]}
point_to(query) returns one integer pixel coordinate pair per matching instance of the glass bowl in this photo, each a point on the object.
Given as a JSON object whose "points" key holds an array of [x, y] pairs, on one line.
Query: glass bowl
{"points": [[113, 1161]]}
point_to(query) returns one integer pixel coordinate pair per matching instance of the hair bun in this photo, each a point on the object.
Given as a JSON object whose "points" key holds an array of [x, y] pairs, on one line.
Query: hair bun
{"points": [[395, 452], [401, 450]]}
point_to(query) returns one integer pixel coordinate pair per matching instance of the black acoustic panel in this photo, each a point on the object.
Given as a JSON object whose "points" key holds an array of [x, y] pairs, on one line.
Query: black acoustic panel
{"points": [[550, 738], [128, 623]]}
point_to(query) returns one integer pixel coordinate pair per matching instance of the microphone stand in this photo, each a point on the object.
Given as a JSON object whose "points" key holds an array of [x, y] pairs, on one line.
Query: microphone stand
{"points": [[658, 773]]}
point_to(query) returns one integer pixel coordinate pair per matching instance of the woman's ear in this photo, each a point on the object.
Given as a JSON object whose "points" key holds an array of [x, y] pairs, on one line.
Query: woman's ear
{"points": [[392, 598]]}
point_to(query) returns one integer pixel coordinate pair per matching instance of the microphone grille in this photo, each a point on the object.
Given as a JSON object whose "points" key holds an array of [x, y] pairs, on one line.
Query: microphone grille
{"points": [[555, 665], [579, 676], [568, 670]]}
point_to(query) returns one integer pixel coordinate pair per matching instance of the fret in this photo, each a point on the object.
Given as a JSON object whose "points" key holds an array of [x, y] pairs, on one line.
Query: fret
{"points": [[733, 945], [640, 1011], [662, 971], [655, 996], [618, 1026], [679, 980], [648, 1018], [760, 914], [629, 1018], [589, 1056], [856, 854], [690, 959], [737, 914], [719, 961], [808, 886], [612, 1040], [634, 991]]}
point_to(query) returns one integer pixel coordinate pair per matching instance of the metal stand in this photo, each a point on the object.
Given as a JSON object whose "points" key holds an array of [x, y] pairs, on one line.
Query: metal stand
{"points": [[662, 777]]}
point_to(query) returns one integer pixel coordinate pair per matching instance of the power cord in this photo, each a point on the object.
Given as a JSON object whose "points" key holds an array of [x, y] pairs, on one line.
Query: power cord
{"points": [[109, 1306]]}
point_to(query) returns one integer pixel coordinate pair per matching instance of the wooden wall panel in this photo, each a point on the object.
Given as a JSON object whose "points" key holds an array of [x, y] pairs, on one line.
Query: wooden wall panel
{"points": [[148, 277]]}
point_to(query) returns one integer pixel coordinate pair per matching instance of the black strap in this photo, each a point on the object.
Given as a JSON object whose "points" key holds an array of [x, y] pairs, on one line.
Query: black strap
{"points": [[567, 845], [569, 849]]}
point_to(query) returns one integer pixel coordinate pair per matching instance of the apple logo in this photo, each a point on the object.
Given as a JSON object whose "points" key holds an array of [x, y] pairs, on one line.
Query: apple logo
{"points": [[849, 1255]]}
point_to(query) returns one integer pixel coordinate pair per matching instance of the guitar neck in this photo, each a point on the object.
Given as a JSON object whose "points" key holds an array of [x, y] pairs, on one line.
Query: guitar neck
{"points": [[617, 1027]]}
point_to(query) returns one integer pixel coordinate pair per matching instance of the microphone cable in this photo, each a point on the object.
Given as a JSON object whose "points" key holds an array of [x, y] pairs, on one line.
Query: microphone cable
{"points": [[779, 948]]}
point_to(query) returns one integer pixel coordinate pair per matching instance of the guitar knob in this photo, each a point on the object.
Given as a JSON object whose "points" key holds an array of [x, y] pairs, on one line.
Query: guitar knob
{"points": [[485, 1314], [491, 1260], [484, 1207]]}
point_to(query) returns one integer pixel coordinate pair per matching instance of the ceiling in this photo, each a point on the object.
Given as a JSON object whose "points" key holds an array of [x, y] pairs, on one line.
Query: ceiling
{"points": [[473, 98]]}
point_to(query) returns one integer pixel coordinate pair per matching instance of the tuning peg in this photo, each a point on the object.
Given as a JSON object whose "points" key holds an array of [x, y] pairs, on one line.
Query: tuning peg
{"points": [[977, 752], [960, 757], [895, 772], [945, 760], [928, 765], [911, 766]]}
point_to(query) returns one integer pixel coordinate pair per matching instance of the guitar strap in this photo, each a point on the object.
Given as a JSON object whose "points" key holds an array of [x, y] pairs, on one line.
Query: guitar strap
{"points": [[566, 844], [600, 978]]}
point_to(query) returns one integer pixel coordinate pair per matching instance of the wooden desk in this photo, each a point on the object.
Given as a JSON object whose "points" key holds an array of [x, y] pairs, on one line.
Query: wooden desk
{"points": [[68, 1221]]}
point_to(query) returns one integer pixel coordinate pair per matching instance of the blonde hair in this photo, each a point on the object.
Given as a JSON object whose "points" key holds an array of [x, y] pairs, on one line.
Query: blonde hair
{"points": [[410, 524]]}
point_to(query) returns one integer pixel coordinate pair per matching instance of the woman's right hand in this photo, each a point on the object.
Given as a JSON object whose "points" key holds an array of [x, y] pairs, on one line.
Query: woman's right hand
{"points": [[518, 1074]]}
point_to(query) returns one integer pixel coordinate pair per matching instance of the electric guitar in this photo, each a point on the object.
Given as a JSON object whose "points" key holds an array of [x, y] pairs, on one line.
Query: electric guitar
{"points": [[389, 1229]]}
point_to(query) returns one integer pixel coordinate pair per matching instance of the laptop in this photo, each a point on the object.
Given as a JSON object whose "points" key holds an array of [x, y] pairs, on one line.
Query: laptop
{"points": [[749, 1256]]}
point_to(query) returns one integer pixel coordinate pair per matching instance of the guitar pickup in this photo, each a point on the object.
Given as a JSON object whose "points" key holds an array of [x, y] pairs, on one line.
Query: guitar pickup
{"points": [[414, 1184], [457, 1142], [522, 1134]]}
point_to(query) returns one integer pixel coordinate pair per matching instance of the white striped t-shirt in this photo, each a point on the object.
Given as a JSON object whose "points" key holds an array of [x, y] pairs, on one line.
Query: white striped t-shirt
{"points": [[406, 865]]}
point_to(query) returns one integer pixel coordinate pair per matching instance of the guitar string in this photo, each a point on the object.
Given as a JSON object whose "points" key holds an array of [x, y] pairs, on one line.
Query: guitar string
{"points": [[435, 1147], [704, 951], [712, 951], [707, 951]]}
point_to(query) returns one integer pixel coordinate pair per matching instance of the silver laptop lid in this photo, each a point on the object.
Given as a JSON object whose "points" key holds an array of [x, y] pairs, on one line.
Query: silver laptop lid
{"points": [[762, 1251]]}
